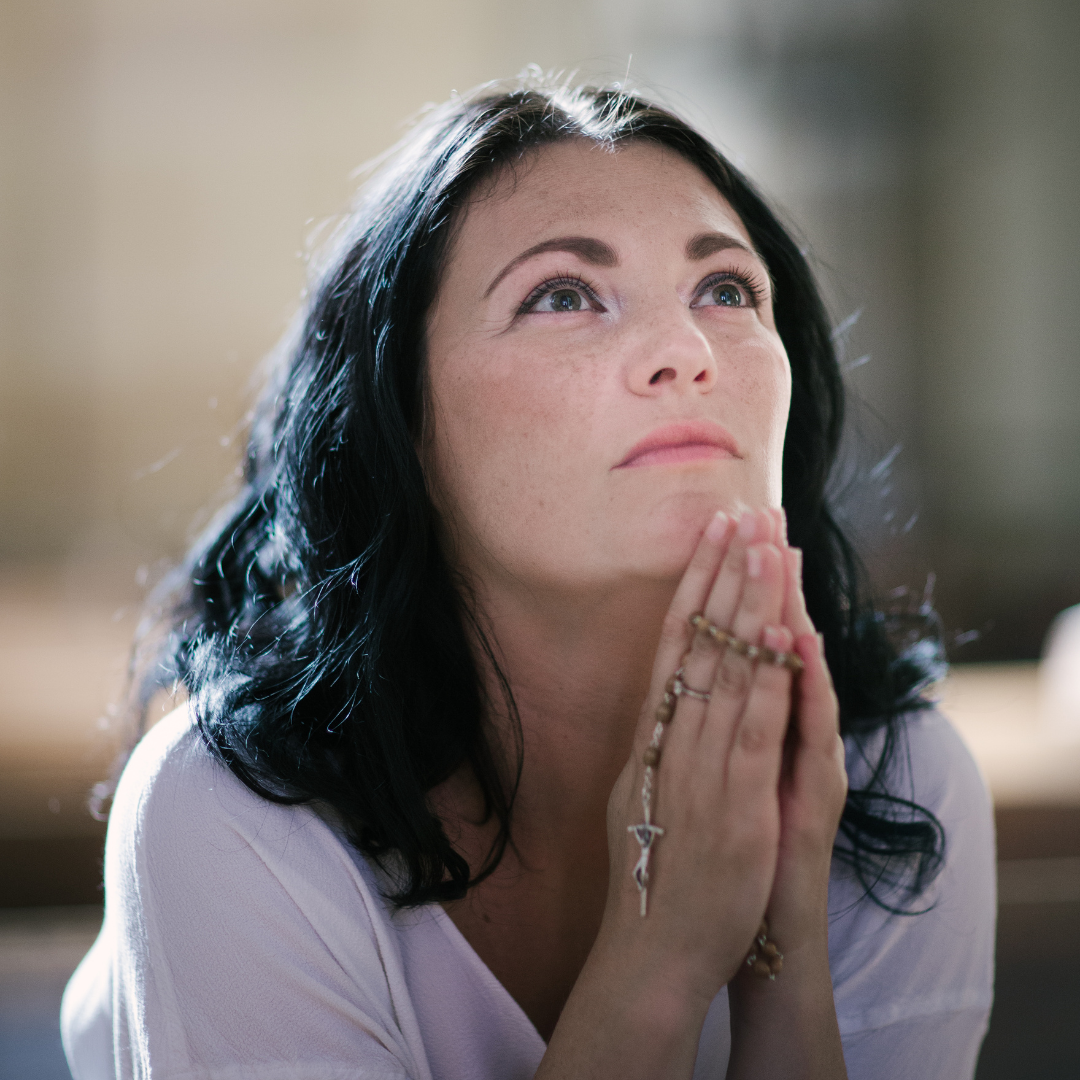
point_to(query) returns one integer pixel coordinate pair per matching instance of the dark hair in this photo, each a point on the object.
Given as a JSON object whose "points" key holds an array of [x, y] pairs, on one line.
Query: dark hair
{"points": [[303, 608]]}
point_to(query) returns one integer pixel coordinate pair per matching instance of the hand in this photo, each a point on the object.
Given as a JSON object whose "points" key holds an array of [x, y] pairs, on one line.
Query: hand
{"points": [[747, 825], [716, 785], [813, 783], [812, 790]]}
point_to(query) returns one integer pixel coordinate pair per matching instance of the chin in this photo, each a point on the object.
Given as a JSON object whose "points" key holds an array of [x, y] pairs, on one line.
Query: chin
{"points": [[668, 537]]}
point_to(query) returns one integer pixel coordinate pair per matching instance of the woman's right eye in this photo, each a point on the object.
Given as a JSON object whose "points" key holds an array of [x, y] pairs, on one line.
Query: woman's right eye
{"points": [[560, 298]]}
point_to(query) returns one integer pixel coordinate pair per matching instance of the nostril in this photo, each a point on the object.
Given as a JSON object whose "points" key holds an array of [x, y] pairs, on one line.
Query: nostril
{"points": [[663, 375], [701, 376]]}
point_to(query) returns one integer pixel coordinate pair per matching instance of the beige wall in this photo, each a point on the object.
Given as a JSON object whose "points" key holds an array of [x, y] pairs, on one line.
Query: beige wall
{"points": [[164, 164], [999, 374]]}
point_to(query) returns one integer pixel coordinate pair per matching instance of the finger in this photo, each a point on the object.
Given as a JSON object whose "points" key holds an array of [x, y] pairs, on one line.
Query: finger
{"points": [[779, 520], [720, 607], [753, 527], [795, 616], [761, 605], [763, 593], [735, 674], [690, 596], [817, 707], [754, 760]]}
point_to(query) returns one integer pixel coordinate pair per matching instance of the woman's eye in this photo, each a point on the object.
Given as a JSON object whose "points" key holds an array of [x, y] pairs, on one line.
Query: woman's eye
{"points": [[559, 300], [726, 294]]}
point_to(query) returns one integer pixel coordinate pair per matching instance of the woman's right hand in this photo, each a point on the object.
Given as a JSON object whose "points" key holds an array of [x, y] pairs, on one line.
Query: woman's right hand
{"points": [[716, 784]]}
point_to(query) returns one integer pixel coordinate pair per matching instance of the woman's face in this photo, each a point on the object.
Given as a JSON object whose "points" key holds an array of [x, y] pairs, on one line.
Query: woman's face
{"points": [[603, 371]]}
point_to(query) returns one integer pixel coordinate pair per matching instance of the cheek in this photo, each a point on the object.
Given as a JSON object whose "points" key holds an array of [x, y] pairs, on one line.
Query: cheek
{"points": [[766, 392], [778, 422], [511, 432]]}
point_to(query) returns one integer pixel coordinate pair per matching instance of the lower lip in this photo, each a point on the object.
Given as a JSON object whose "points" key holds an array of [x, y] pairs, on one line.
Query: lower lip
{"points": [[677, 455]]}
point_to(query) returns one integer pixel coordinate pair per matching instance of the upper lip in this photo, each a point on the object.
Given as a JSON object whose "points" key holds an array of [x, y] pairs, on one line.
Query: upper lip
{"points": [[684, 433]]}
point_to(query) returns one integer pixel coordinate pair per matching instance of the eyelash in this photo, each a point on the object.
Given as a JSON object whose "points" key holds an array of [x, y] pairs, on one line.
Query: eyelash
{"points": [[755, 291], [563, 281]]}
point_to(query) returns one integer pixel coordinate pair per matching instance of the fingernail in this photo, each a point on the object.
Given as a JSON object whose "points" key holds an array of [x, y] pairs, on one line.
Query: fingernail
{"points": [[796, 555], [753, 562], [783, 524], [748, 525], [717, 527], [772, 639]]}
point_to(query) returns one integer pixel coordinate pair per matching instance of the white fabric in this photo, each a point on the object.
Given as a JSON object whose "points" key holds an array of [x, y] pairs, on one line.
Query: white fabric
{"points": [[245, 941]]}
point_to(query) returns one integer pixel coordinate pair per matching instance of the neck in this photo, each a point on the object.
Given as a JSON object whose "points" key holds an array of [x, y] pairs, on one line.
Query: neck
{"points": [[579, 669]]}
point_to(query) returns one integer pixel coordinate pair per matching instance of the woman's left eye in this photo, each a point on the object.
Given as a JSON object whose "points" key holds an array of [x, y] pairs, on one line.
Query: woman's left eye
{"points": [[558, 299], [561, 300], [727, 293]]}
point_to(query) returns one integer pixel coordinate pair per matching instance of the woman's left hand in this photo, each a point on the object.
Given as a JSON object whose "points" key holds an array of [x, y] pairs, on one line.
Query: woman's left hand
{"points": [[812, 792], [813, 781]]}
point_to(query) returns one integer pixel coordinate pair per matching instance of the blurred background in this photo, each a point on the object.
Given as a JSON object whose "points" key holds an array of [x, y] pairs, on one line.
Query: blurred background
{"points": [[163, 168]]}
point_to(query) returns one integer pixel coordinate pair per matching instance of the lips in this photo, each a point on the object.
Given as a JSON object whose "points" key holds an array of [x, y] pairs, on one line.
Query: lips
{"points": [[674, 444]]}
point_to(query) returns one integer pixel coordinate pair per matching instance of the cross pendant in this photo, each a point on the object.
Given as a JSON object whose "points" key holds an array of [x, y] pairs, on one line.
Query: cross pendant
{"points": [[644, 834]]}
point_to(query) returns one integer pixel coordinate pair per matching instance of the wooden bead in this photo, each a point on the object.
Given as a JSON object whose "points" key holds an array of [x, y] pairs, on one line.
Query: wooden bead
{"points": [[761, 968], [775, 965], [652, 756], [664, 712], [770, 949]]}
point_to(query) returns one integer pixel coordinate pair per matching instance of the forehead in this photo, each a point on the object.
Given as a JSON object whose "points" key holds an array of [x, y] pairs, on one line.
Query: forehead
{"points": [[558, 189]]}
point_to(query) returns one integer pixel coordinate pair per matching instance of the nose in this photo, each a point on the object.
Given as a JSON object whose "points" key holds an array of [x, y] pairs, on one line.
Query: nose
{"points": [[670, 354]]}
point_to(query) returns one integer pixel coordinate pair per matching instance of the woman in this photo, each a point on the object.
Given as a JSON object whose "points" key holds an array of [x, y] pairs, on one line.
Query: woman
{"points": [[509, 718]]}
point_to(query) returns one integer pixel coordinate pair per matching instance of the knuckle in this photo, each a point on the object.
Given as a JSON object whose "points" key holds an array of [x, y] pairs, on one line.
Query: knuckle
{"points": [[773, 679], [754, 738], [702, 648], [733, 676]]}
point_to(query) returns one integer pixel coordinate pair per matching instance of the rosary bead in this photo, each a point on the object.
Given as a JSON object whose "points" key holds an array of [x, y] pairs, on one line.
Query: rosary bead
{"points": [[775, 964], [652, 756], [770, 949], [762, 968]]}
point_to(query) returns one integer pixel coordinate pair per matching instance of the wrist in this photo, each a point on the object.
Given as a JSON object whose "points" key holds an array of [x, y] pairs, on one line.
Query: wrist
{"points": [[649, 972], [629, 1015], [805, 979]]}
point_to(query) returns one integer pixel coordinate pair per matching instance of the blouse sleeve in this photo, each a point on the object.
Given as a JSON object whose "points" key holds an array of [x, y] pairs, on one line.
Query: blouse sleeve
{"points": [[913, 991], [240, 941]]}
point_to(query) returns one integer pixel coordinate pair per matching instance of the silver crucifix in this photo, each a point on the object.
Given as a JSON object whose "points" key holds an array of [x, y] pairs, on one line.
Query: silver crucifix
{"points": [[644, 834]]}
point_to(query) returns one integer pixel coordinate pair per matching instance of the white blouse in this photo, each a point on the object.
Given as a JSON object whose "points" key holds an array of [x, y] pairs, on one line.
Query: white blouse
{"points": [[247, 941]]}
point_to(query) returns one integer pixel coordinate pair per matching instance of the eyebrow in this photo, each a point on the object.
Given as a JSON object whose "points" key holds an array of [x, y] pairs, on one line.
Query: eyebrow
{"points": [[705, 244], [595, 252]]}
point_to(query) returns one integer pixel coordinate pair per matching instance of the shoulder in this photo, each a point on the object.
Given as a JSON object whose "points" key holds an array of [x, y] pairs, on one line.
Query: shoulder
{"points": [[930, 765], [937, 956], [231, 913], [175, 791], [180, 814]]}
